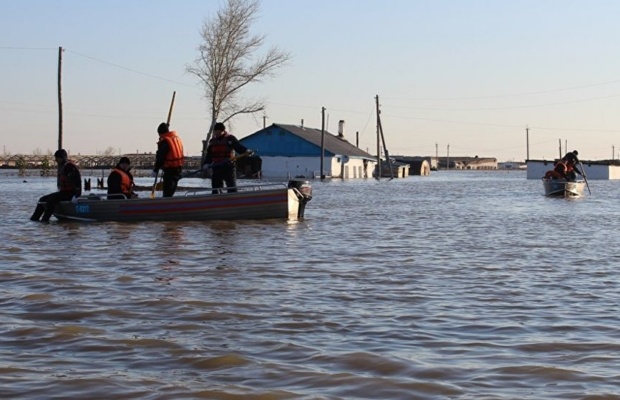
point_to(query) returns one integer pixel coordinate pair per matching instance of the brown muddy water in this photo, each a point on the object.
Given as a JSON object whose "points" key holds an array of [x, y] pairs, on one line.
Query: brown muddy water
{"points": [[460, 285]]}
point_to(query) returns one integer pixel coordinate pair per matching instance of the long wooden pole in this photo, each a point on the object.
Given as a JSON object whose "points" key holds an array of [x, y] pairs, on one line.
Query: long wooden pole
{"points": [[378, 173], [322, 142], [171, 105], [60, 98], [527, 143], [385, 151]]}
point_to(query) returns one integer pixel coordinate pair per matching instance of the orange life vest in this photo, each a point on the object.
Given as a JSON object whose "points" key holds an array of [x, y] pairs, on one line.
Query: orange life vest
{"points": [[126, 182], [64, 183], [221, 151], [174, 158], [559, 171]]}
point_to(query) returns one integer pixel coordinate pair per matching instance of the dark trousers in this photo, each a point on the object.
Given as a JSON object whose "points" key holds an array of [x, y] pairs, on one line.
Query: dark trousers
{"points": [[223, 174], [171, 180], [47, 204]]}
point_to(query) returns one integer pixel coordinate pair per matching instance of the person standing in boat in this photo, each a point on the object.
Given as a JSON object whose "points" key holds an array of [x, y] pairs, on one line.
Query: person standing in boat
{"points": [[169, 158], [571, 160], [120, 181], [220, 158], [69, 182]]}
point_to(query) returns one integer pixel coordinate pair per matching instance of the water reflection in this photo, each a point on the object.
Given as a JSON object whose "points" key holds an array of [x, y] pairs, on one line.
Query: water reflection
{"points": [[449, 286]]}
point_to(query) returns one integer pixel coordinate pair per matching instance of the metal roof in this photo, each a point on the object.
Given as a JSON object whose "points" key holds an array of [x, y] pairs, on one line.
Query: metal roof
{"points": [[332, 143]]}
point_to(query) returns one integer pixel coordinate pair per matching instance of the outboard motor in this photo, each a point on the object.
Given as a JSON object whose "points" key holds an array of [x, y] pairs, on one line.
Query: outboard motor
{"points": [[304, 193]]}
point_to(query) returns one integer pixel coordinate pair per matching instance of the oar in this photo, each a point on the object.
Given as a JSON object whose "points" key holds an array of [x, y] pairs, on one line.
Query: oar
{"points": [[167, 122], [585, 178]]}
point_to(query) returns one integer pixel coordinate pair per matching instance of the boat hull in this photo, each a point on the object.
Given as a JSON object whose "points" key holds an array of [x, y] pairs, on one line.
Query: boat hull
{"points": [[562, 188], [272, 203]]}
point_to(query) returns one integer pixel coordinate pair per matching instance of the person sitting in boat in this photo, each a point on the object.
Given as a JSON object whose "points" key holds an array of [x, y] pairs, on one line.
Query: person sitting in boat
{"points": [[120, 181], [220, 158], [69, 182], [566, 168]]}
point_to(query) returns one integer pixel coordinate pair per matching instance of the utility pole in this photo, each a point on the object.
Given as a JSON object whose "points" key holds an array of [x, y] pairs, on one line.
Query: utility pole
{"points": [[60, 98], [527, 143], [378, 175], [322, 140], [448, 158], [264, 121]]}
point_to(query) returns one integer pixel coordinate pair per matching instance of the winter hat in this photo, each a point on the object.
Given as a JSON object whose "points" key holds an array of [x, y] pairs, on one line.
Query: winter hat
{"points": [[163, 128], [61, 153]]}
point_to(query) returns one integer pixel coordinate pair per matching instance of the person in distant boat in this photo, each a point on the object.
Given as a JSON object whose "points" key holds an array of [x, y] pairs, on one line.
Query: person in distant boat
{"points": [[169, 158], [220, 158], [571, 161], [69, 182], [566, 168], [120, 181]]}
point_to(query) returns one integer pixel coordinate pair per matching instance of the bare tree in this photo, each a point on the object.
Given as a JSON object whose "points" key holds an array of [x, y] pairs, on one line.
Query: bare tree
{"points": [[228, 61], [109, 151]]}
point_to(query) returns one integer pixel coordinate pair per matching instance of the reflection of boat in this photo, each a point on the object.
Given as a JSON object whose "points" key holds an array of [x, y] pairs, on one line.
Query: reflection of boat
{"points": [[562, 188], [272, 201]]}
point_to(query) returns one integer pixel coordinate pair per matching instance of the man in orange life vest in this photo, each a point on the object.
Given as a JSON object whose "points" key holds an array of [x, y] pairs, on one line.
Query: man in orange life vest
{"points": [[220, 158], [169, 158], [69, 182], [120, 181]]}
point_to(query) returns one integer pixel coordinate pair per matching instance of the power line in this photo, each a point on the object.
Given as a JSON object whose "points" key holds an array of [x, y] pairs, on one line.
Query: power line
{"points": [[510, 107], [507, 95], [130, 69], [28, 48]]}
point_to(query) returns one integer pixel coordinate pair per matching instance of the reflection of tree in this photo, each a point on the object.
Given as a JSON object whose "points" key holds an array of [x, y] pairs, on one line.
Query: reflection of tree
{"points": [[21, 165], [46, 167]]}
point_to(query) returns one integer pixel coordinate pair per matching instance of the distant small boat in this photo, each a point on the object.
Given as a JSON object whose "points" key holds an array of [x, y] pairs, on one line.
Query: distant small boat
{"points": [[562, 188], [271, 201]]}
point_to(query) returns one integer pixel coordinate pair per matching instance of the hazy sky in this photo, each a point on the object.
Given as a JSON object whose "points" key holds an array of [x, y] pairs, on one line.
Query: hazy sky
{"points": [[468, 74]]}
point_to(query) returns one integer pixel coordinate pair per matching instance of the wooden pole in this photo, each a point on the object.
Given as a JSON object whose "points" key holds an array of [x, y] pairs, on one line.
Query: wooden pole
{"points": [[171, 106], [60, 98], [378, 174], [527, 143], [385, 150], [322, 140]]}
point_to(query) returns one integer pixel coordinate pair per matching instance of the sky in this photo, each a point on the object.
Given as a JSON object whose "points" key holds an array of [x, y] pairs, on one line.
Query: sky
{"points": [[459, 77]]}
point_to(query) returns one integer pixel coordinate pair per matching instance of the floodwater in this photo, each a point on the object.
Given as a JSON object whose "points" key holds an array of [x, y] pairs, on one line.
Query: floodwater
{"points": [[459, 285]]}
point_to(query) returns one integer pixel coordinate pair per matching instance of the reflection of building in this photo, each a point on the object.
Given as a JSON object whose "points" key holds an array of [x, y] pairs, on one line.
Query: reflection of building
{"points": [[417, 165], [512, 165], [399, 169], [467, 163], [292, 150]]}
